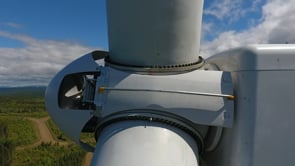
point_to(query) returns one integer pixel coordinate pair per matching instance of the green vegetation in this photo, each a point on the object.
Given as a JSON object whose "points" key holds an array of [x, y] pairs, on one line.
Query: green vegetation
{"points": [[19, 142], [60, 136], [6, 151], [20, 130], [47, 155], [6, 146], [27, 114], [3, 130], [88, 138], [29, 106], [32, 91], [57, 134], [26, 100]]}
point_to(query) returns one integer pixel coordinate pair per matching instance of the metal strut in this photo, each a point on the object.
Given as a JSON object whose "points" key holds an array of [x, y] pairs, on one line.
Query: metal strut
{"points": [[229, 97]]}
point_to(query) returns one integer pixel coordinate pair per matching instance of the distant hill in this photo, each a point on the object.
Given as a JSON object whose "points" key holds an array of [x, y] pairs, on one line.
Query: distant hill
{"points": [[30, 91]]}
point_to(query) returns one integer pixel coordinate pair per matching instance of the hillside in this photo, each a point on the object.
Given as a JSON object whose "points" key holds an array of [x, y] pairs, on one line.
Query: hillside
{"points": [[30, 91]]}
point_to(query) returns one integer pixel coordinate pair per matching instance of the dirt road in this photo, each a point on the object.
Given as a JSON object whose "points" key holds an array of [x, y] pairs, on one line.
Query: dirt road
{"points": [[87, 159], [45, 136], [43, 133]]}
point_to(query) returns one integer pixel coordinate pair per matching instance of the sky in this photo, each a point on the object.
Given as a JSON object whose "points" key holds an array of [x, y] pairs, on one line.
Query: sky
{"points": [[38, 38]]}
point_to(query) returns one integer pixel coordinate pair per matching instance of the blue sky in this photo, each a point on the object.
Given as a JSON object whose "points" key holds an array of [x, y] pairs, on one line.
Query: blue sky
{"points": [[37, 38], [77, 21]]}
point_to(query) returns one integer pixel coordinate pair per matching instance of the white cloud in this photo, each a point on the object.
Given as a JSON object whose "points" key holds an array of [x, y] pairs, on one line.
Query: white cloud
{"points": [[280, 16], [206, 29], [255, 5], [231, 9], [276, 26], [12, 25], [37, 61]]}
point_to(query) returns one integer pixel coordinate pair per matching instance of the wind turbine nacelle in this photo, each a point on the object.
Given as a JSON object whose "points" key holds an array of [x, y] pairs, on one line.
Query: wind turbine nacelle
{"points": [[145, 100], [87, 96], [262, 134], [152, 100]]}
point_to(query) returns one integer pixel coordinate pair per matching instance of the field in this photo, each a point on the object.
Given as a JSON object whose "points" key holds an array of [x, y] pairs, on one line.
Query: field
{"points": [[29, 137], [50, 154], [20, 130], [22, 106]]}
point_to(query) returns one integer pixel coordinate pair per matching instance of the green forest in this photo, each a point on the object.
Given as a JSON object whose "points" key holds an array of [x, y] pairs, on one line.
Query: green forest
{"points": [[20, 140]]}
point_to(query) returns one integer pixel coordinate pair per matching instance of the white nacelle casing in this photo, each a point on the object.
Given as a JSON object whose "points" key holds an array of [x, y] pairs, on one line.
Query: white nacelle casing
{"points": [[263, 129], [198, 96], [71, 121], [177, 94]]}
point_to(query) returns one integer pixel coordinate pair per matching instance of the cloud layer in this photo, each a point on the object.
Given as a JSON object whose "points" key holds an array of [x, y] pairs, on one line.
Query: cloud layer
{"points": [[37, 61], [275, 26]]}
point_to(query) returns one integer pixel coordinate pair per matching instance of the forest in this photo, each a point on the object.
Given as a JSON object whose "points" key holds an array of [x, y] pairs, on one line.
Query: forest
{"points": [[22, 116]]}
